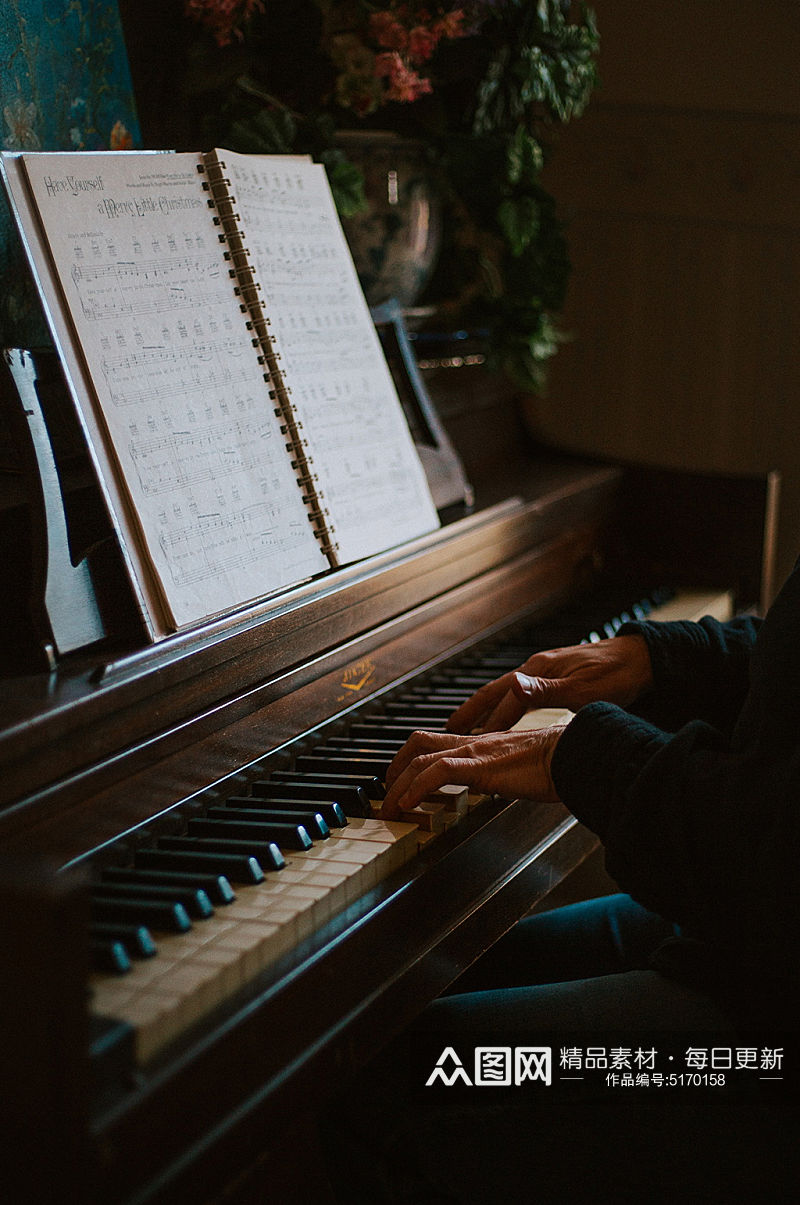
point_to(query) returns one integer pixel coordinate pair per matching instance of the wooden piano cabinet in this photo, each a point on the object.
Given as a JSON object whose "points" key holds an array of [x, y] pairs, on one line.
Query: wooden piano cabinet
{"points": [[44, 1084], [120, 744], [336, 1003]]}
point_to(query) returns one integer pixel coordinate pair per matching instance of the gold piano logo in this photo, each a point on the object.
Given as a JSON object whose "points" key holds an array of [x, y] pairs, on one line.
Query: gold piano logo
{"points": [[358, 676]]}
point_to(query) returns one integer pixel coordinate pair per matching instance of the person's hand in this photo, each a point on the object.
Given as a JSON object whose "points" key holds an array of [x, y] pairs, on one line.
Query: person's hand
{"points": [[511, 764], [612, 671]]}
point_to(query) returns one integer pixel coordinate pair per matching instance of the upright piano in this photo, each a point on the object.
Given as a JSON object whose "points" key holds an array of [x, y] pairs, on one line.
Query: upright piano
{"points": [[125, 749]]}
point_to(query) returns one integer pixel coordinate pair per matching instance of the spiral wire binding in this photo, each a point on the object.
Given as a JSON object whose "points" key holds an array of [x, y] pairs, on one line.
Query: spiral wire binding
{"points": [[248, 290]]}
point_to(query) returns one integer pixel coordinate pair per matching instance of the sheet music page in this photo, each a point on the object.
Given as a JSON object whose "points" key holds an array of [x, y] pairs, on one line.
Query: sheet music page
{"points": [[178, 381], [369, 472]]}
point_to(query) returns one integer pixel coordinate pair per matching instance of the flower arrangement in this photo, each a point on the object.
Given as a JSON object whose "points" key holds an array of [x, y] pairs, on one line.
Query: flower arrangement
{"points": [[225, 19], [380, 61], [483, 83]]}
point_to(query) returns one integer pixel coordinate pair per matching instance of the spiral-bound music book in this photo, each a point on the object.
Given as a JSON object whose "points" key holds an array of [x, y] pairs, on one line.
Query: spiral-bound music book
{"points": [[235, 397]]}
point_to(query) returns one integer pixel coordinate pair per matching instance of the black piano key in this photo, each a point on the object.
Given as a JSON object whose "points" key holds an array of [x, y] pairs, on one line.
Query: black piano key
{"points": [[471, 682], [369, 783], [495, 665], [312, 821], [330, 762], [373, 728], [107, 954], [354, 803], [216, 886], [416, 721], [438, 693], [265, 854], [414, 707], [330, 811], [331, 753], [534, 640], [239, 868], [172, 917], [362, 758], [353, 800], [137, 939], [562, 635], [365, 744], [286, 836], [194, 899]]}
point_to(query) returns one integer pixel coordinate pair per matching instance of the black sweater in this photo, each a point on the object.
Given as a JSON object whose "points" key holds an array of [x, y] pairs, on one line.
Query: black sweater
{"points": [[696, 798]]}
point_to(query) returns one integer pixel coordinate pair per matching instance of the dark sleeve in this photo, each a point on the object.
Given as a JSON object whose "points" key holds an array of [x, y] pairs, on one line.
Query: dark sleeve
{"points": [[628, 781], [702, 824], [700, 670], [696, 827]]}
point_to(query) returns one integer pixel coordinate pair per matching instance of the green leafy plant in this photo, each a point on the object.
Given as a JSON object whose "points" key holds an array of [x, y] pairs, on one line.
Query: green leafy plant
{"points": [[484, 83]]}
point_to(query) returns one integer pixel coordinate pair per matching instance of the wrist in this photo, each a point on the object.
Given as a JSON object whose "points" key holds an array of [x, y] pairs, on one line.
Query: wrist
{"points": [[552, 737], [638, 662]]}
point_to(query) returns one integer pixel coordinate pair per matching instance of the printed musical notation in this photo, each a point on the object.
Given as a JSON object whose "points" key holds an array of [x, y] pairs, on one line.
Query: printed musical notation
{"points": [[179, 382], [135, 288], [142, 270], [183, 458], [202, 334], [229, 543], [168, 371], [341, 387]]}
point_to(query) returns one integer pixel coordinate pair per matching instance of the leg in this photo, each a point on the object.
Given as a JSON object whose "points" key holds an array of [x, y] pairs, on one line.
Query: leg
{"points": [[596, 937], [405, 1142]]}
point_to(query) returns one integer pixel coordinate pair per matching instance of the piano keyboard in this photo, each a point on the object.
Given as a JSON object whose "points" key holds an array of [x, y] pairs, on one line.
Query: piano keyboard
{"points": [[200, 914]]}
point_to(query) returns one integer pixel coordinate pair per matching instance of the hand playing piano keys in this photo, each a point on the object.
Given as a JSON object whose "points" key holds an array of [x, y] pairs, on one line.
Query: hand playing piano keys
{"points": [[478, 752], [407, 741], [511, 764], [612, 671]]}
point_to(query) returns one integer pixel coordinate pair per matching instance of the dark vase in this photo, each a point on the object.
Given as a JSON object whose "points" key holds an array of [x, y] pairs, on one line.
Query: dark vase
{"points": [[394, 243]]}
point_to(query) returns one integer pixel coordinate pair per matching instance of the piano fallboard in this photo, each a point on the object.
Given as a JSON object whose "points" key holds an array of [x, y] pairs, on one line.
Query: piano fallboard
{"points": [[141, 705]]}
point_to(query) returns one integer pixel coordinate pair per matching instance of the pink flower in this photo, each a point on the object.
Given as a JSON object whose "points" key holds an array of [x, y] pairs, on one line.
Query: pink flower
{"points": [[404, 83], [388, 32], [421, 43], [386, 64], [408, 87], [224, 18], [451, 25]]}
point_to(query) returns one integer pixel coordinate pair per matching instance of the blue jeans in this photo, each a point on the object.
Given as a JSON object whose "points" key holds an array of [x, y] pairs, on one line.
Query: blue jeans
{"points": [[580, 969]]}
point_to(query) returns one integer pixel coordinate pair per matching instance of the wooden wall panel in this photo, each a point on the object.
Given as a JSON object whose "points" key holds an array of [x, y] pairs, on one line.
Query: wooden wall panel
{"points": [[720, 167], [682, 189], [701, 53], [684, 352]]}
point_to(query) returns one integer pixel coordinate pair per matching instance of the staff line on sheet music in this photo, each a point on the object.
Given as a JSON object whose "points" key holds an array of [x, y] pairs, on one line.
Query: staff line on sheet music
{"points": [[161, 465], [159, 388], [212, 544], [178, 299], [193, 265]]}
